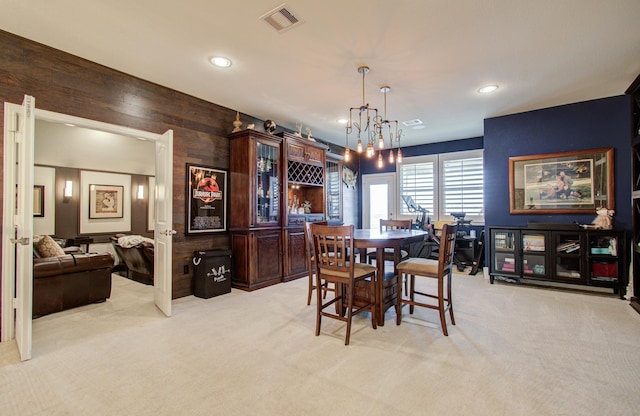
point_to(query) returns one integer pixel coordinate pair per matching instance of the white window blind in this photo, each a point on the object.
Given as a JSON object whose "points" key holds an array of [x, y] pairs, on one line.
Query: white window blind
{"points": [[462, 181], [445, 183], [417, 180]]}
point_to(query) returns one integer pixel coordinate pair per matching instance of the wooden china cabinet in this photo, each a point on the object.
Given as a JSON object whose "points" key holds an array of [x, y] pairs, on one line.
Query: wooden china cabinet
{"points": [[271, 179], [305, 184], [255, 209]]}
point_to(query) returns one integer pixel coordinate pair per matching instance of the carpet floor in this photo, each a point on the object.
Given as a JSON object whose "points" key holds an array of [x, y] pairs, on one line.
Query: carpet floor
{"points": [[515, 350]]}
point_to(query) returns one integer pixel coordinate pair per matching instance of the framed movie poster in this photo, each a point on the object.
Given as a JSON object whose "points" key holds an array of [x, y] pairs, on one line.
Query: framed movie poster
{"points": [[206, 200]]}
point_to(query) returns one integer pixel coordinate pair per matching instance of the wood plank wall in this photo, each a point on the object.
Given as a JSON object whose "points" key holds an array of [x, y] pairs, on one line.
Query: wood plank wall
{"points": [[66, 84]]}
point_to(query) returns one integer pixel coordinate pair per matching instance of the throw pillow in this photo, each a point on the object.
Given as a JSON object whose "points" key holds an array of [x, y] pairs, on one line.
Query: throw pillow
{"points": [[48, 248]]}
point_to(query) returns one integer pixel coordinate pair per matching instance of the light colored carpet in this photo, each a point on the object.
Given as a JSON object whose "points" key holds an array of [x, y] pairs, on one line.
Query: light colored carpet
{"points": [[515, 350]]}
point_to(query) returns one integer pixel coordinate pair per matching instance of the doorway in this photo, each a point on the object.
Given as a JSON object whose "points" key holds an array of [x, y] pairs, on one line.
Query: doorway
{"points": [[378, 198], [14, 282]]}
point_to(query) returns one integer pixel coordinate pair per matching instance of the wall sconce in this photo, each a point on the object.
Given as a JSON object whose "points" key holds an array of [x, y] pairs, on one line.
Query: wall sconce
{"points": [[68, 189], [140, 191]]}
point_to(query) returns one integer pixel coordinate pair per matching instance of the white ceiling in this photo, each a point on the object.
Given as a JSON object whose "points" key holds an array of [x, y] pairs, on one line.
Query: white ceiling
{"points": [[434, 54]]}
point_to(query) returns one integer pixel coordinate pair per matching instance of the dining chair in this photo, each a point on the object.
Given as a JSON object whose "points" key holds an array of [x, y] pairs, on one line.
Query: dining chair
{"points": [[389, 254], [311, 260], [335, 263], [442, 269]]}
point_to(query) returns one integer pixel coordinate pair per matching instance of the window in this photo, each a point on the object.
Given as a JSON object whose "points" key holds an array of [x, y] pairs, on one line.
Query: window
{"points": [[445, 183], [417, 180]]}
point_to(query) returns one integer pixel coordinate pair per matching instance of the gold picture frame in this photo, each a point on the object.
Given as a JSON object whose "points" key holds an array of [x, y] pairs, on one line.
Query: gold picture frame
{"points": [[575, 182]]}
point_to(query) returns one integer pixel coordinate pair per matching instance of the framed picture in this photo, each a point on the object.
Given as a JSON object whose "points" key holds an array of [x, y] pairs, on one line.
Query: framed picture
{"points": [[561, 183], [105, 201], [38, 200], [206, 200]]}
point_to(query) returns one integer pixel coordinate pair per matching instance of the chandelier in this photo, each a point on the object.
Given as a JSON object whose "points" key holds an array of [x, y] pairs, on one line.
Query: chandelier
{"points": [[365, 117], [383, 125], [371, 126]]}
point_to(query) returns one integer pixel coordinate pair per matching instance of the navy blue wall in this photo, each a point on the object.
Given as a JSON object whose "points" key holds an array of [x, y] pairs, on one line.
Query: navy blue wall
{"points": [[586, 125]]}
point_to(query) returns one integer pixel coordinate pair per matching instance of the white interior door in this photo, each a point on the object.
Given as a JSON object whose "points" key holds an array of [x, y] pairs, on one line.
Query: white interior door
{"points": [[17, 256], [378, 198], [163, 231]]}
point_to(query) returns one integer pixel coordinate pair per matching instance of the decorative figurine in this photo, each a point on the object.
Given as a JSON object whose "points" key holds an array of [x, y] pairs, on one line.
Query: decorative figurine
{"points": [[604, 219], [237, 124], [308, 130], [299, 132], [269, 126]]}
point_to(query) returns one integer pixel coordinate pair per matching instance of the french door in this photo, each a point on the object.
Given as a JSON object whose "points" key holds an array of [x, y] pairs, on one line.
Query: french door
{"points": [[17, 226], [378, 198]]}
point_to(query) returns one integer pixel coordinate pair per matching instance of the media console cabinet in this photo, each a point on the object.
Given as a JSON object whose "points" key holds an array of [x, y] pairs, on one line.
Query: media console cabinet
{"points": [[565, 255]]}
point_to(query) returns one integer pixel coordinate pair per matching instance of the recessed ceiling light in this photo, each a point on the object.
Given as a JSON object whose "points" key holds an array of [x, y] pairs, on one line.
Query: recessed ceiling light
{"points": [[342, 121], [220, 61], [487, 89]]}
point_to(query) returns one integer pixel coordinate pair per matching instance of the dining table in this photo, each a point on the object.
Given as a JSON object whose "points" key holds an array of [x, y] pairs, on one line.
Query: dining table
{"points": [[386, 285]]}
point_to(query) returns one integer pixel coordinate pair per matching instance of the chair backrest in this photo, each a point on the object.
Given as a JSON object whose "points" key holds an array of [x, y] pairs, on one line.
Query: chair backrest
{"points": [[395, 224], [307, 236], [333, 248], [447, 246]]}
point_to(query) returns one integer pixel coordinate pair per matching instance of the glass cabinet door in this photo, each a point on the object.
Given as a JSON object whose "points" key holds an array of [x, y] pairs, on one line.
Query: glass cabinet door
{"points": [[534, 254], [568, 256], [334, 187], [504, 251], [267, 183]]}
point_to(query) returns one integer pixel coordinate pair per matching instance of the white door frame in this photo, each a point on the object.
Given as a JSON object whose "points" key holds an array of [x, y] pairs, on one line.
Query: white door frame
{"points": [[389, 179], [164, 141]]}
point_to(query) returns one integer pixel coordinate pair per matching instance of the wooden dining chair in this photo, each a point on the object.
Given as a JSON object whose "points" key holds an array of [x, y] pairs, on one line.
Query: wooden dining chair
{"points": [[440, 270], [311, 261], [335, 263], [389, 254]]}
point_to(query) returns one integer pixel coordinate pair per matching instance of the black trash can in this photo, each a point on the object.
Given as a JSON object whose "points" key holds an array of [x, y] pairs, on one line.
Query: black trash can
{"points": [[212, 273]]}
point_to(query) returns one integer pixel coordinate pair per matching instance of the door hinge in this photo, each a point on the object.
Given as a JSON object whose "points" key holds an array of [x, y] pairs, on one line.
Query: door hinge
{"points": [[14, 303], [14, 123]]}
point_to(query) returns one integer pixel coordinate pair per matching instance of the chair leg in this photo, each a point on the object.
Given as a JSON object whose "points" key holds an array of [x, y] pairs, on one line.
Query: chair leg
{"points": [[318, 307], [349, 312], [441, 307], [399, 300], [450, 300], [412, 289], [372, 300], [310, 288]]}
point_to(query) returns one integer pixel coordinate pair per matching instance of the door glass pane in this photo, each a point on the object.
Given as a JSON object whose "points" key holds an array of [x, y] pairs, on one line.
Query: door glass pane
{"points": [[268, 183], [378, 204]]}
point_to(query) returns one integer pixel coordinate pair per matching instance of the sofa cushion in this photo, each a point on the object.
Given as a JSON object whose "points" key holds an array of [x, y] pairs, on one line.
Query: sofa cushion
{"points": [[71, 263], [47, 247]]}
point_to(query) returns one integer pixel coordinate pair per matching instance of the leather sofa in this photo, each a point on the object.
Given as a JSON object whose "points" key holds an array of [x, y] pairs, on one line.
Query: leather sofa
{"points": [[69, 281]]}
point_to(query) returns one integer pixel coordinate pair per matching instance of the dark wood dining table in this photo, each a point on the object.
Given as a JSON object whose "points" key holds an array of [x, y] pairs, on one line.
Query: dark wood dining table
{"points": [[386, 288]]}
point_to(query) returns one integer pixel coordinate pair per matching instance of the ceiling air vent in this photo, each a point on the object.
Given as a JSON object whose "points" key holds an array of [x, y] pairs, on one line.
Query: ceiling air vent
{"points": [[281, 18], [414, 122]]}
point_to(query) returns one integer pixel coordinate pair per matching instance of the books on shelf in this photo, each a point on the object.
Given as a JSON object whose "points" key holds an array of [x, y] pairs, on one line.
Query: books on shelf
{"points": [[533, 242], [568, 246], [503, 241]]}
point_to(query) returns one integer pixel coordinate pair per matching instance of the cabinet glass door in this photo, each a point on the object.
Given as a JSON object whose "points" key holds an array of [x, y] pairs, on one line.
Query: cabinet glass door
{"points": [[334, 185], [534, 254], [568, 248], [267, 183], [603, 259], [504, 252]]}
